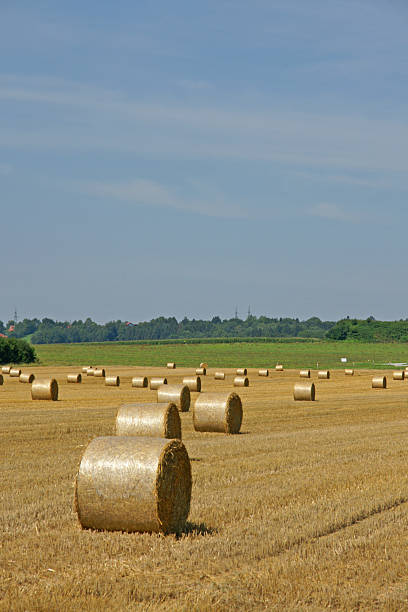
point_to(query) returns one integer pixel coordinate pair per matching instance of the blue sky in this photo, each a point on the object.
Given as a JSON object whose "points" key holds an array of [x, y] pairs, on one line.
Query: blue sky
{"points": [[183, 158]]}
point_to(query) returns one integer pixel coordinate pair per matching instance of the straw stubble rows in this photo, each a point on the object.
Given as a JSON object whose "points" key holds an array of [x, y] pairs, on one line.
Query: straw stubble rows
{"points": [[306, 508]]}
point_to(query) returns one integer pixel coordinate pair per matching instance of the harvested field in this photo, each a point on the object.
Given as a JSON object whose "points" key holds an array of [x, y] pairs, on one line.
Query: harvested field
{"points": [[305, 509]]}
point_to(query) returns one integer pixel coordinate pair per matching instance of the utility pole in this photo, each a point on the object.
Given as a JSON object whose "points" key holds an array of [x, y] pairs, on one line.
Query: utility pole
{"points": [[249, 311], [236, 312]]}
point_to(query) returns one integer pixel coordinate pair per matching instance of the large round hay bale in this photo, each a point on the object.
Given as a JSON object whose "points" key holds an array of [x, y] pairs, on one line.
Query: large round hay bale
{"points": [[219, 376], [15, 372], [90, 372], [398, 375], [279, 367], [241, 381], [140, 381], [323, 374], [349, 372], [171, 365], [193, 383], [203, 364], [379, 382], [1, 379], [304, 373], [44, 389], [99, 372], [242, 371], [134, 483], [304, 392], [178, 394], [154, 420], [263, 372], [218, 412], [6, 369], [201, 371], [74, 378], [27, 377], [112, 381], [86, 368], [157, 382]]}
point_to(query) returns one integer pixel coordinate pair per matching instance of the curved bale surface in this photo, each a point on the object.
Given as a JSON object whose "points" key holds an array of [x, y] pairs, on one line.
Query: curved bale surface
{"points": [[379, 382], [1, 379], [242, 371], [44, 389], [155, 383], [74, 378], [203, 364], [219, 376], [201, 372], [154, 420], [134, 483], [178, 394], [241, 381], [323, 374], [349, 372], [218, 412], [279, 367], [6, 369], [140, 381], [86, 368], [15, 372], [193, 383], [398, 375], [112, 381], [304, 373], [99, 372], [27, 377], [304, 392], [263, 372], [90, 372], [171, 365]]}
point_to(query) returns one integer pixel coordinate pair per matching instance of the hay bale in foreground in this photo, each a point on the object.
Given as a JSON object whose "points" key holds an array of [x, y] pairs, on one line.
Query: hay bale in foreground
{"points": [[44, 389], [193, 383], [203, 364], [242, 371], [154, 420], [90, 372], [241, 381], [1, 379], [155, 383], [218, 412], [201, 371], [171, 365], [219, 376], [15, 372], [263, 372], [134, 483], [27, 377], [112, 381], [379, 382], [304, 392], [279, 367], [398, 375], [304, 373], [140, 381], [74, 378], [99, 372], [323, 374], [349, 372], [5, 369], [178, 394]]}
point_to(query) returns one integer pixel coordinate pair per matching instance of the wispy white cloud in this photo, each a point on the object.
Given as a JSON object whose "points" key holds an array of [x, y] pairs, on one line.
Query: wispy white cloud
{"points": [[331, 211]]}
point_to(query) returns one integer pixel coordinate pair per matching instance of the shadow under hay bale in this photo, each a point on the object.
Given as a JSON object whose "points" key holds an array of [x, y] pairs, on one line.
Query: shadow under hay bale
{"points": [[305, 392], [379, 382], [134, 484], [218, 412], [242, 371], [1, 379], [27, 377], [219, 376], [304, 373], [241, 381], [153, 420], [193, 383], [324, 374], [178, 394], [15, 372], [155, 383], [112, 381], [44, 389], [263, 372], [74, 378], [140, 381]]}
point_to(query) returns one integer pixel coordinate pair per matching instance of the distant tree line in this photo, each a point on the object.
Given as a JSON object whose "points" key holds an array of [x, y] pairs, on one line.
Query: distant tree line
{"points": [[15, 350], [369, 330]]}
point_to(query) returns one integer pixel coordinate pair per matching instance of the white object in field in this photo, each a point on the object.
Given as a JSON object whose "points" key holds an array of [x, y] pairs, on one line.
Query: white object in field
{"points": [[343, 360]]}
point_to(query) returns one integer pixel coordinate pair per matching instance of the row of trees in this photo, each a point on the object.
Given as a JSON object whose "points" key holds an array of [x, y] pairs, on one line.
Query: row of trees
{"points": [[369, 330], [15, 350]]}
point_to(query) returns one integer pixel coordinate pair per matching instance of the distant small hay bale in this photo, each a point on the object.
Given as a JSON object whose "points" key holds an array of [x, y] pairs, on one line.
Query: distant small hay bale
{"points": [[323, 374], [140, 382], [304, 392], [1, 379], [134, 483], [86, 368], [279, 367], [193, 383], [263, 372], [90, 372], [218, 412], [155, 383], [178, 394], [241, 381], [398, 375], [99, 372], [44, 389], [27, 377], [242, 371], [112, 381], [219, 376], [203, 364], [171, 365], [201, 371], [5, 369], [349, 372], [15, 372], [74, 378], [304, 373], [379, 382], [154, 420]]}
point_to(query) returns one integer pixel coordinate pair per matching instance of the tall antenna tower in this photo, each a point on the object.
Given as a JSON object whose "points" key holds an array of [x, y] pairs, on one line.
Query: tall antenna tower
{"points": [[15, 315], [236, 312], [249, 311]]}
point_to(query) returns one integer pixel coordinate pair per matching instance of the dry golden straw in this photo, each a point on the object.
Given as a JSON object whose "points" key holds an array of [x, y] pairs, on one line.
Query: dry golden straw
{"points": [[201, 371], [241, 381], [44, 389], [134, 483], [263, 372], [178, 394], [5, 369], [171, 365], [90, 372], [379, 382], [398, 375], [218, 412], [100, 372], [219, 376], [304, 392], [26, 377], [155, 383], [279, 367], [112, 381], [242, 371], [15, 372], [154, 420], [304, 373], [193, 383], [323, 374], [203, 364], [349, 372], [140, 381], [74, 378]]}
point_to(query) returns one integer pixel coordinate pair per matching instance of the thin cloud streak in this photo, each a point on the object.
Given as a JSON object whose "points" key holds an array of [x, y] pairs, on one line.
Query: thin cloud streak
{"points": [[332, 212]]}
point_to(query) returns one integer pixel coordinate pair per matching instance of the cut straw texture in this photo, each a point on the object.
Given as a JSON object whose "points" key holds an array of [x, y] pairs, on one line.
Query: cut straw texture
{"points": [[218, 412], [154, 420], [44, 389], [112, 381], [140, 382], [379, 382], [398, 375], [193, 383], [178, 394], [5, 370], [15, 372], [323, 374], [349, 372], [219, 376], [279, 367], [304, 392], [99, 372], [201, 371], [134, 483], [242, 371], [155, 383], [263, 372], [171, 365], [304, 373], [74, 378], [27, 377], [241, 381]]}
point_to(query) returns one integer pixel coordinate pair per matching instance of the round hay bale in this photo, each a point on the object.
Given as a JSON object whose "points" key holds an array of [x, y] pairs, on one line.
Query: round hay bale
{"points": [[178, 394], [44, 389], [100, 372], [90, 372], [304, 373], [5, 370], [201, 371], [398, 375], [134, 483], [27, 377], [193, 383], [74, 378], [304, 392], [218, 412], [203, 364], [349, 372], [1, 379], [279, 367], [112, 381], [86, 368], [242, 371], [140, 381], [171, 365], [263, 372], [15, 372], [379, 382], [323, 374], [219, 376], [154, 420], [241, 381], [155, 383]]}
